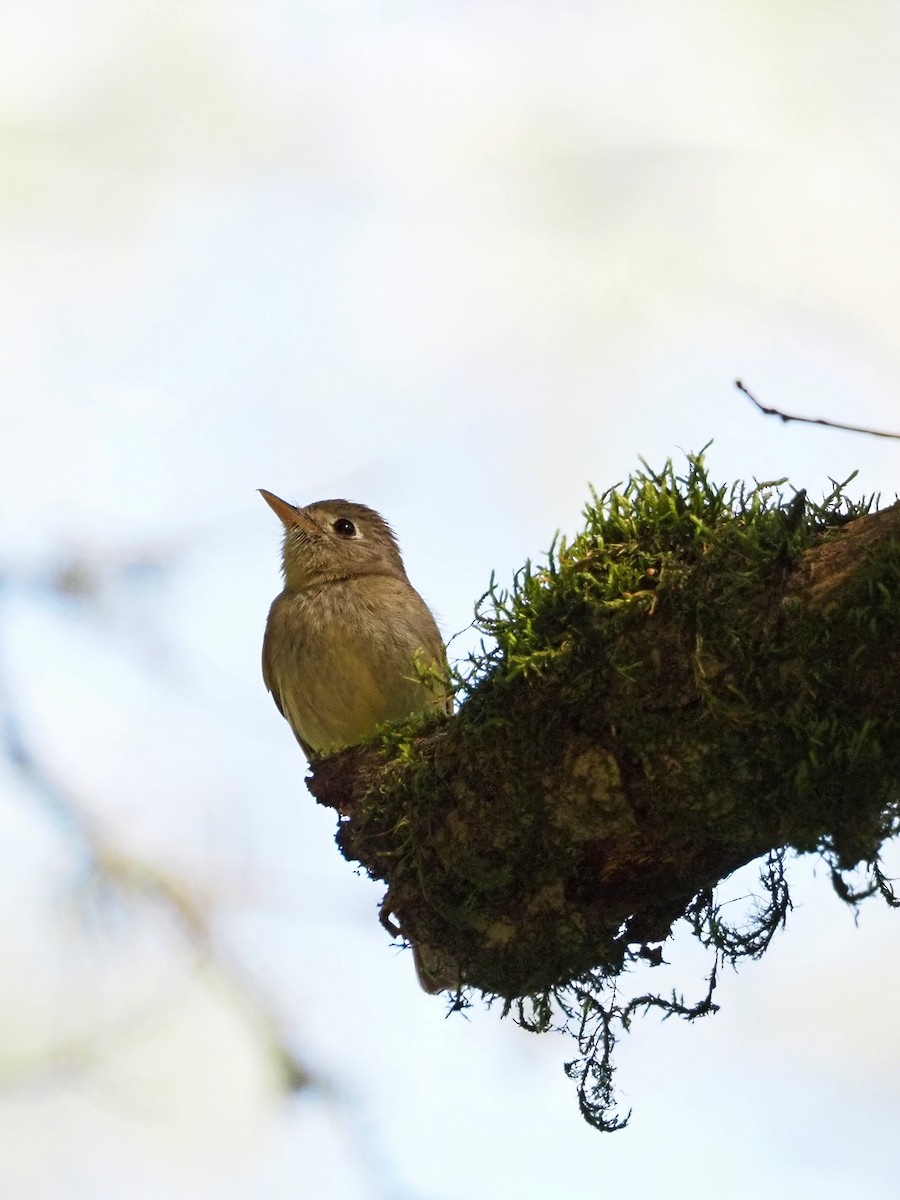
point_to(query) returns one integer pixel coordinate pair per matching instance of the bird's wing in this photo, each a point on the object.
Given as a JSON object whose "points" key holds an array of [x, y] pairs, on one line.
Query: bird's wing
{"points": [[268, 673], [271, 681]]}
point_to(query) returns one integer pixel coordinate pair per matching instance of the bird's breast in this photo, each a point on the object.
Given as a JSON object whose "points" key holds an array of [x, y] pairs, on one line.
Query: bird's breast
{"points": [[341, 658]]}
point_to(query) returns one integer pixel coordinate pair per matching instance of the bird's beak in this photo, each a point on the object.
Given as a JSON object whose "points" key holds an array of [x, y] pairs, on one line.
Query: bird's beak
{"points": [[289, 515]]}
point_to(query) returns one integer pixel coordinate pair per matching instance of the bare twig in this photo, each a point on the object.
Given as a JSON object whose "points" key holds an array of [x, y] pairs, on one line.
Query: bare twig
{"points": [[775, 412]]}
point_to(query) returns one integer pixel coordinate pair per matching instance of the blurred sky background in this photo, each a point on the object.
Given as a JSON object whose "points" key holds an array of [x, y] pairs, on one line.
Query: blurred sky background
{"points": [[455, 261]]}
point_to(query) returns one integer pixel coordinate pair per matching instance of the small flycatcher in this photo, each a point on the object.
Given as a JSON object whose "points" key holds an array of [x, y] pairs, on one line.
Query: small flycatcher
{"points": [[348, 637]]}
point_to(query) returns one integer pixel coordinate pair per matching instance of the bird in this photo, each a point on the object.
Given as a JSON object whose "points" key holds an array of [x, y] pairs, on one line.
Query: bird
{"points": [[349, 643]]}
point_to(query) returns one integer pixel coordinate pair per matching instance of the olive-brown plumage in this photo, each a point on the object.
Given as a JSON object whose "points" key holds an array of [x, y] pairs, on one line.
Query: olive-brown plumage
{"points": [[348, 637]]}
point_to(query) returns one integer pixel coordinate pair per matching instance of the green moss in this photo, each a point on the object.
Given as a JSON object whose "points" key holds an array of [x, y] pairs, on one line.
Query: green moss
{"points": [[655, 704]]}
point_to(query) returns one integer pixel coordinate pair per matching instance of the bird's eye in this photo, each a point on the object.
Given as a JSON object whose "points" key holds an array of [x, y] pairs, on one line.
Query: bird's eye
{"points": [[344, 527]]}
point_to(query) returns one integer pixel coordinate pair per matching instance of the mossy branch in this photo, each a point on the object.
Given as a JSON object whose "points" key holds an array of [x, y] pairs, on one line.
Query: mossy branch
{"points": [[705, 676]]}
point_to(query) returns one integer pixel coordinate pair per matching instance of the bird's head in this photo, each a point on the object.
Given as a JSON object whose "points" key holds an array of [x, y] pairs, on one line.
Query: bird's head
{"points": [[334, 539]]}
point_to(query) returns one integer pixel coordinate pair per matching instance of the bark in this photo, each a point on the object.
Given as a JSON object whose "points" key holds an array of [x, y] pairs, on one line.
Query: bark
{"points": [[742, 698]]}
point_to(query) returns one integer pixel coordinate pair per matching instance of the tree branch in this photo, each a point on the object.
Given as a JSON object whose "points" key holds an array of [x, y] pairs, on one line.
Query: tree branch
{"points": [[702, 678], [776, 412]]}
